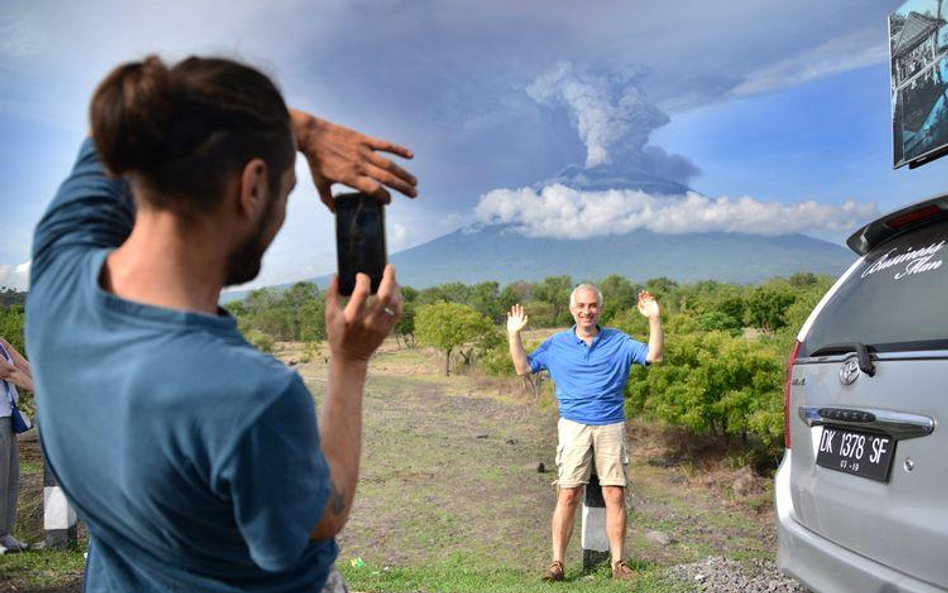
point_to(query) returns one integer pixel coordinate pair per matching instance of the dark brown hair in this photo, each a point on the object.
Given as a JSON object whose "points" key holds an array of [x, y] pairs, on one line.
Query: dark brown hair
{"points": [[184, 130]]}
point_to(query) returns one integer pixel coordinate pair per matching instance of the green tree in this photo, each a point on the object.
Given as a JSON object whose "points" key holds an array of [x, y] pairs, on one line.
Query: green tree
{"points": [[542, 314], [299, 294], [311, 318], [484, 298], [513, 293], [555, 290], [718, 321], [450, 292], [618, 294], [262, 341], [661, 287], [404, 329], [260, 299], [713, 382], [766, 305], [803, 280], [409, 294], [297, 313], [11, 326], [279, 322], [450, 326], [796, 314], [11, 296], [733, 306]]}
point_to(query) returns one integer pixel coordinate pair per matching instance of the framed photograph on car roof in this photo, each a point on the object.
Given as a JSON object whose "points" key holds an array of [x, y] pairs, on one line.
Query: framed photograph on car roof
{"points": [[918, 54]]}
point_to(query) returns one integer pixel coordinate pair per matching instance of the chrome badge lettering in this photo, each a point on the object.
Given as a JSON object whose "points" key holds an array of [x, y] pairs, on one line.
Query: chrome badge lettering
{"points": [[915, 261]]}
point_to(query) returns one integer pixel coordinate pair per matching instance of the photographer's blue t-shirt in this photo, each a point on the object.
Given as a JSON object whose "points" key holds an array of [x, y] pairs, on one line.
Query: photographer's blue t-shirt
{"points": [[193, 458], [590, 380]]}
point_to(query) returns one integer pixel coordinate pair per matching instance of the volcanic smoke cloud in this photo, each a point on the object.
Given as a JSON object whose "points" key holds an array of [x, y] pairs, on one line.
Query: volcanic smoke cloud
{"points": [[613, 118]]}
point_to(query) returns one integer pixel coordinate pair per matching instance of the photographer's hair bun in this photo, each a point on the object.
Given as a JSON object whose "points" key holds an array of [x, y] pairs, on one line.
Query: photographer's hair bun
{"points": [[183, 130], [131, 113]]}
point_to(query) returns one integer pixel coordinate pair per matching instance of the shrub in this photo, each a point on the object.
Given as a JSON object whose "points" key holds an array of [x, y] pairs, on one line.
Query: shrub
{"points": [[451, 327], [714, 383], [260, 340]]}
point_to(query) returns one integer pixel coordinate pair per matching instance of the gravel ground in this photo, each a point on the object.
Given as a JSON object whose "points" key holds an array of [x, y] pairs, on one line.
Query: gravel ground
{"points": [[720, 575]]}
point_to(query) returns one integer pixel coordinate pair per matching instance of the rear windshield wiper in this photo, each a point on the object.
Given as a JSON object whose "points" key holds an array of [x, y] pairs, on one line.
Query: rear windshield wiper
{"points": [[861, 350]]}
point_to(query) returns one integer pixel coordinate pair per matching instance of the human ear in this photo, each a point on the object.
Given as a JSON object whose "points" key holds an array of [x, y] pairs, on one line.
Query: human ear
{"points": [[254, 189]]}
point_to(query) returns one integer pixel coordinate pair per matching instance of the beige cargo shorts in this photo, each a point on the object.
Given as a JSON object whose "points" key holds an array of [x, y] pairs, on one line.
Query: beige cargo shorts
{"points": [[582, 445]]}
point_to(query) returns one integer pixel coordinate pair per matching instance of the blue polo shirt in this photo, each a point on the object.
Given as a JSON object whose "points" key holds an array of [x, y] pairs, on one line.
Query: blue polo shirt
{"points": [[590, 380]]}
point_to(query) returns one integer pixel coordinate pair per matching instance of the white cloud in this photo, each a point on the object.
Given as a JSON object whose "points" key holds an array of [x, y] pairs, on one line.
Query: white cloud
{"points": [[398, 237], [15, 276], [562, 212], [833, 57]]}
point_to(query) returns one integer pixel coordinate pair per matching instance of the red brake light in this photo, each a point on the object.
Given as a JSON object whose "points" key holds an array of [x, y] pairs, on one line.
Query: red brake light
{"points": [[907, 219], [786, 393]]}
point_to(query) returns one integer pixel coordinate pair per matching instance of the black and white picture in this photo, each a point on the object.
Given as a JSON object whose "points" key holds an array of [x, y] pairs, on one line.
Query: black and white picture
{"points": [[918, 50]]}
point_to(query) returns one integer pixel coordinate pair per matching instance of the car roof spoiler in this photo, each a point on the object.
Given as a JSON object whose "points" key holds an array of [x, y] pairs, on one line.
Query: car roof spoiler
{"points": [[895, 223]]}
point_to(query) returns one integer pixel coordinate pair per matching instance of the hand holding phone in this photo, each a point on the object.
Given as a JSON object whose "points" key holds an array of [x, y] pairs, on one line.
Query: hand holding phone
{"points": [[360, 240]]}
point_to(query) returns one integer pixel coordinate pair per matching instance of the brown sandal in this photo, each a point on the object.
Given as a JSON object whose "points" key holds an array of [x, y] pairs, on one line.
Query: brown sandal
{"points": [[555, 572], [621, 571]]}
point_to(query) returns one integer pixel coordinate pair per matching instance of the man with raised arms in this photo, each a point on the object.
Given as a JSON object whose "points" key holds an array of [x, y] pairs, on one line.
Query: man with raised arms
{"points": [[590, 366]]}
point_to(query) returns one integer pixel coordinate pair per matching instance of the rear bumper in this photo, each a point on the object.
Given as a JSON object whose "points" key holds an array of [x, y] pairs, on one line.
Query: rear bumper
{"points": [[825, 567]]}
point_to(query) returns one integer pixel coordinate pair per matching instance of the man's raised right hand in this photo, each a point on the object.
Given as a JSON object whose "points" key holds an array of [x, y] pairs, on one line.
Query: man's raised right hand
{"points": [[516, 320], [355, 332]]}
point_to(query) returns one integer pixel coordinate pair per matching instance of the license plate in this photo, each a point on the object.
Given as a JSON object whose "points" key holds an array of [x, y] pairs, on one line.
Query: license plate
{"points": [[863, 454]]}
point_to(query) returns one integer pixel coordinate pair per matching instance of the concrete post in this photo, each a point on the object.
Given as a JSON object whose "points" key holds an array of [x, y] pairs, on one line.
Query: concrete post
{"points": [[59, 518], [595, 542]]}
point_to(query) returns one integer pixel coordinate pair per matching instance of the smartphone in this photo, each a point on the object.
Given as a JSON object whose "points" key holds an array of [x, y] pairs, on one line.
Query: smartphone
{"points": [[360, 240]]}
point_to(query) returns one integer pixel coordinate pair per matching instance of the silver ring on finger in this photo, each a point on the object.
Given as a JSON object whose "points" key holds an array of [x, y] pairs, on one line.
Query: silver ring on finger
{"points": [[389, 311]]}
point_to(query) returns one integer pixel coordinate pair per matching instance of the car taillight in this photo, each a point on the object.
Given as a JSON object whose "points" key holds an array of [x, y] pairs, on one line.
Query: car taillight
{"points": [[912, 217], [786, 393]]}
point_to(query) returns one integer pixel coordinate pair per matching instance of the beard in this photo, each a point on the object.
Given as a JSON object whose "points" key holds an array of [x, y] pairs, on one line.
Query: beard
{"points": [[243, 263]]}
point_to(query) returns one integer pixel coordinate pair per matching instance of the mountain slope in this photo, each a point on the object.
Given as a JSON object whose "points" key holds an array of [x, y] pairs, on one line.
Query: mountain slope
{"points": [[497, 253]]}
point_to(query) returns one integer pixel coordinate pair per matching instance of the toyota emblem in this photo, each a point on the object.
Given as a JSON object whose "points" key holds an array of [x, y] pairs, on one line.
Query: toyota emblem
{"points": [[849, 372]]}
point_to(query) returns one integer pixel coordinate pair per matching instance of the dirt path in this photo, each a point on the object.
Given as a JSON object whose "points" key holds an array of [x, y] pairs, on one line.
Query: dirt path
{"points": [[444, 466]]}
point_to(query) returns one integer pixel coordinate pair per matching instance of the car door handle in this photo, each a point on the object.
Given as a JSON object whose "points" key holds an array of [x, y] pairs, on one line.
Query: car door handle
{"points": [[899, 425]]}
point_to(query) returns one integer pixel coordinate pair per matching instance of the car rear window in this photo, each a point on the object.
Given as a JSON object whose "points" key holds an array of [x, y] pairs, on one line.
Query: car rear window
{"points": [[896, 298]]}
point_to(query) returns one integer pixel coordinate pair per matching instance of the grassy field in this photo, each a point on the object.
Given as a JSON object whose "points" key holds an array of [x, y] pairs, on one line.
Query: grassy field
{"points": [[450, 500]]}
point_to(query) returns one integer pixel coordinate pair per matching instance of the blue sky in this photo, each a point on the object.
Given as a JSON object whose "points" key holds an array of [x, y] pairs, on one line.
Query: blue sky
{"points": [[768, 109]]}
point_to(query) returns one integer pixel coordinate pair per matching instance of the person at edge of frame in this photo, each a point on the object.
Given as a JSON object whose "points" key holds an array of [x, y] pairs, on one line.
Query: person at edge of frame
{"points": [[15, 372]]}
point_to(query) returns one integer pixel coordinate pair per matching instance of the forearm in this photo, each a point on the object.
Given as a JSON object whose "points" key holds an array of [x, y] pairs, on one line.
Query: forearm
{"points": [[340, 428], [91, 209], [518, 354], [23, 380], [19, 360], [656, 340]]}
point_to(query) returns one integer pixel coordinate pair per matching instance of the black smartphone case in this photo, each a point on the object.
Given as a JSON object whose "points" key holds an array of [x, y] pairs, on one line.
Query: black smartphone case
{"points": [[360, 240]]}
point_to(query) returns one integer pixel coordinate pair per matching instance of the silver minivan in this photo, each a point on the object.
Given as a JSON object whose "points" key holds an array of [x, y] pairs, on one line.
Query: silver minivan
{"points": [[862, 491]]}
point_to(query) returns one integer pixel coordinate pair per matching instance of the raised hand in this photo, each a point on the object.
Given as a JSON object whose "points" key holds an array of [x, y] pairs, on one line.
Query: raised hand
{"points": [[647, 305], [516, 320], [355, 332], [337, 154]]}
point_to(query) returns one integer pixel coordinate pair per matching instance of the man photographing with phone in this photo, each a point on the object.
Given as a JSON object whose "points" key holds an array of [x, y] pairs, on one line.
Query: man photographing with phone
{"points": [[195, 460]]}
